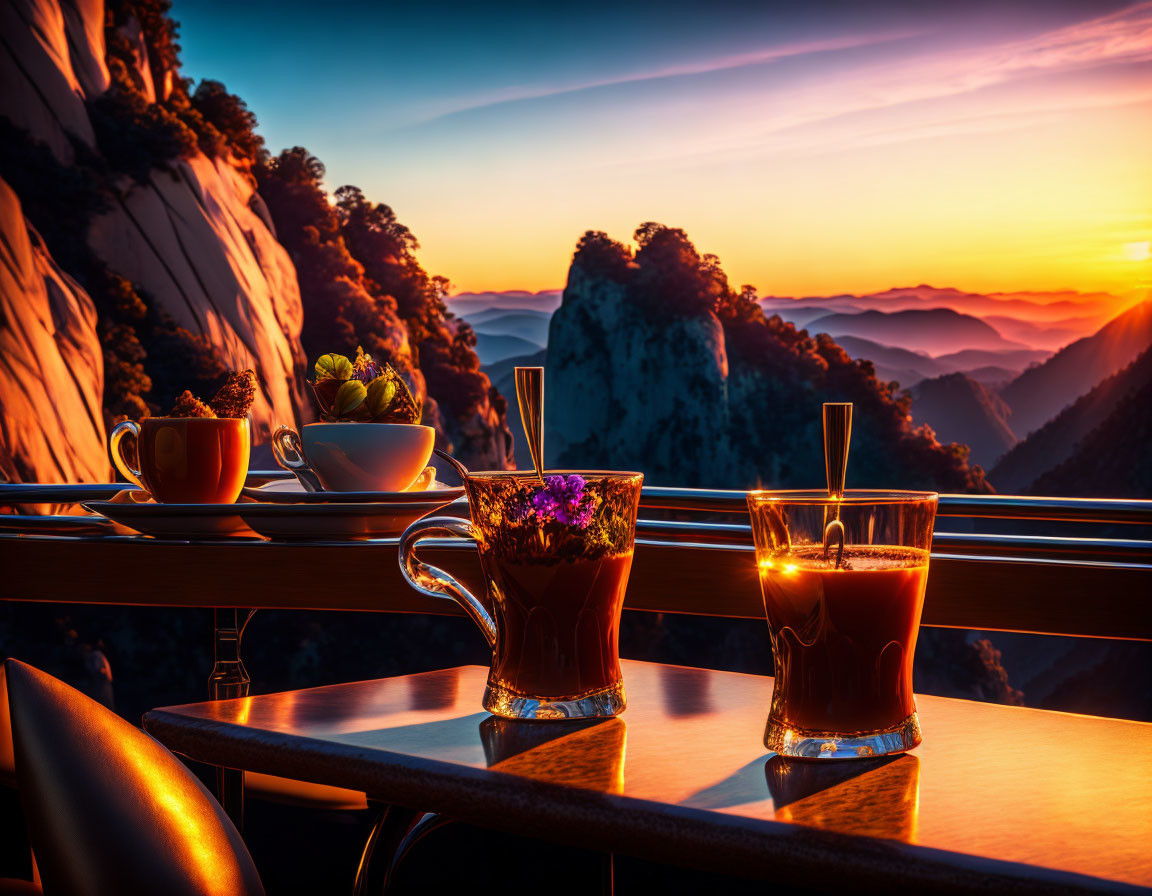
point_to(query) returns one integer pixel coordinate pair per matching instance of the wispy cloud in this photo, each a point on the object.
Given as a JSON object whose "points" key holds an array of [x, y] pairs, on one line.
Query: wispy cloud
{"points": [[520, 93], [1122, 36], [876, 88]]}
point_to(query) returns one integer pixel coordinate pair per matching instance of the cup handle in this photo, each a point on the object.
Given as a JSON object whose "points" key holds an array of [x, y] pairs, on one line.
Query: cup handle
{"points": [[287, 450], [289, 453], [116, 449], [436, 582]]}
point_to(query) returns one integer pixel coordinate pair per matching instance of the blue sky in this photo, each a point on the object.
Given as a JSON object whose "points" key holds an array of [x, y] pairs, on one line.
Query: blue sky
{"points": [[795, 141]]}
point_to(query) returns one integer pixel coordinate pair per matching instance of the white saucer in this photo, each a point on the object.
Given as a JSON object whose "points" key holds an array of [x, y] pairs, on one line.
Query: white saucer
{"points": [[290, 491], [336, 520]]}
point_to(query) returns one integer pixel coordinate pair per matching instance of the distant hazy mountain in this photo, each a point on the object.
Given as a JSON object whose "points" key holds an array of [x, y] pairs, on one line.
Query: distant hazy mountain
{"points": [[1052, 336], [1114, 460], [800, 314], [995, 378], [529, 325], [937, 331], [959, 409], [1053, 308], [503, 377], [1015, 360], [1035, 306], [1039, 394], [905, 367], [489, 314], [1059, 438], [490, 349], [991, 369], [466, 303]]}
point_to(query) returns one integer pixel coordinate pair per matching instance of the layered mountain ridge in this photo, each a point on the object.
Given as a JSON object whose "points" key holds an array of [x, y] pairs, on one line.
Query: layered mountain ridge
{"points": [[1040, 393], [960, 409], [1113, 459], [938, 331], [1023, 468]]}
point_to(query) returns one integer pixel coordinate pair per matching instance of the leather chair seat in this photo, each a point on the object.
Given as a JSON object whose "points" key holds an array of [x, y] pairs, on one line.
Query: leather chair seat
{"points": [[110, 810]]}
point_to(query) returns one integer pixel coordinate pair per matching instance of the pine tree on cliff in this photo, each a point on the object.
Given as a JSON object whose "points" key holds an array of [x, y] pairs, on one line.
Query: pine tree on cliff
{"points": [[342, 308], [446, 345], [765, 427], [361, 285]]}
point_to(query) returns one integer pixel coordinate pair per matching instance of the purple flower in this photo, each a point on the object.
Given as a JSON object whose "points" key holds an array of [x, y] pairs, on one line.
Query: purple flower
{"points": [[562, 498], [367, 373]]}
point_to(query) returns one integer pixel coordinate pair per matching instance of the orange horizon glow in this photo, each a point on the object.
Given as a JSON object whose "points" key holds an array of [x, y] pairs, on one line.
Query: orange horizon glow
{"points": [[1012, 166], [947, 213], [995, 147]]}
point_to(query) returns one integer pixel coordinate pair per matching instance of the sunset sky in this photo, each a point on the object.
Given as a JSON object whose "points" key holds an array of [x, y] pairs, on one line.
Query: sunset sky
{"points": [[816, 148]]}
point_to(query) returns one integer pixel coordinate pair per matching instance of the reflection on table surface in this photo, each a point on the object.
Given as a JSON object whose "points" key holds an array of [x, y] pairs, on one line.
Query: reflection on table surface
{"points": [[1063, 791]]}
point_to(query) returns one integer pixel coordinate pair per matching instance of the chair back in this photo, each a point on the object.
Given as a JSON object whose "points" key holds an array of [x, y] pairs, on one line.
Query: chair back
{"points": [[110, 810]]}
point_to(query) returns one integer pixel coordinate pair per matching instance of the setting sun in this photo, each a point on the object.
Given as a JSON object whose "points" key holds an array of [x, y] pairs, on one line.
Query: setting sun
{"points": [[1138, 251]]}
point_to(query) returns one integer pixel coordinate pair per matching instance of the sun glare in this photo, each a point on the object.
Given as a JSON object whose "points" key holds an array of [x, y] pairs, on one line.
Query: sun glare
{"points": [[1138, 251]]}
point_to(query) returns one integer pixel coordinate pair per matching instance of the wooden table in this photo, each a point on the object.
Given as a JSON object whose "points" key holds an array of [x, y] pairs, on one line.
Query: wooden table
{"points": [[996, 798]]}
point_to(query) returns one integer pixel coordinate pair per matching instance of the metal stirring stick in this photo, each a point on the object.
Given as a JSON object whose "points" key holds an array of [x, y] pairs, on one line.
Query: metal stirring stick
{"points": [[530, 395], [837, 438]]}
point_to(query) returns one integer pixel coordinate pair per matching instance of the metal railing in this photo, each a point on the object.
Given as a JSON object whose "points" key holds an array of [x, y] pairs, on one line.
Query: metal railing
{"points": [[1049, 583]]}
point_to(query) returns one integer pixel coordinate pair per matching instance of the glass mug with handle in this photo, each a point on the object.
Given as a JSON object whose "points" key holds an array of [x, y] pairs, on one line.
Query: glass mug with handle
{"points": [[555, 557]]}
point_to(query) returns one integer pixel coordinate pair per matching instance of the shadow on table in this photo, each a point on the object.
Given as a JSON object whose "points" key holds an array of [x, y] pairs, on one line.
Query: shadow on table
{"points": [[869, 797]]}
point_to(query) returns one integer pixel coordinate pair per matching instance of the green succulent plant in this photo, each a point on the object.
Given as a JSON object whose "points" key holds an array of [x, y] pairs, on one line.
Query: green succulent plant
{"points": [[349, 397], [363, 391], [333, 367]]}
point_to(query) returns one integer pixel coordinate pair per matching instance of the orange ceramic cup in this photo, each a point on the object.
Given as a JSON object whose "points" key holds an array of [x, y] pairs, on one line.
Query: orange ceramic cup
{"points": [[187, 460]]}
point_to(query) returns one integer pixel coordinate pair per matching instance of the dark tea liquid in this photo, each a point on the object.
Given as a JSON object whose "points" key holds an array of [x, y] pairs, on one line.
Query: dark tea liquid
{"points": [[194, 461], [558, 623], [844, 638]]}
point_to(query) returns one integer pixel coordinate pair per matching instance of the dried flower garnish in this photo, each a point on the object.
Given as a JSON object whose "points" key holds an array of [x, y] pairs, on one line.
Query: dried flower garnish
{"points": [[235, 397], [188, 405], [562, 498], [566, 517], [364, 368], [363, 390]]}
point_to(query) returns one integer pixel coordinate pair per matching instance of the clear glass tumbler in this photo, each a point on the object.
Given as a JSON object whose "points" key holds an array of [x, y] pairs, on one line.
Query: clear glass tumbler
{"points": [[843, 584]]}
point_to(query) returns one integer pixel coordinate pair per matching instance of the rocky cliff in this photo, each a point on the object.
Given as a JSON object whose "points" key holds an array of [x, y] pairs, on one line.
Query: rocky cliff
{"points": [[656, 364], [145, 192], [631, 395], [188, 235], [51, 372]]}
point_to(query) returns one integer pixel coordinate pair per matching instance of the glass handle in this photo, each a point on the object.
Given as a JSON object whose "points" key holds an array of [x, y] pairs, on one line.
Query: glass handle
{"points": [[436, 582], [286, 448], [116, 449]]}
